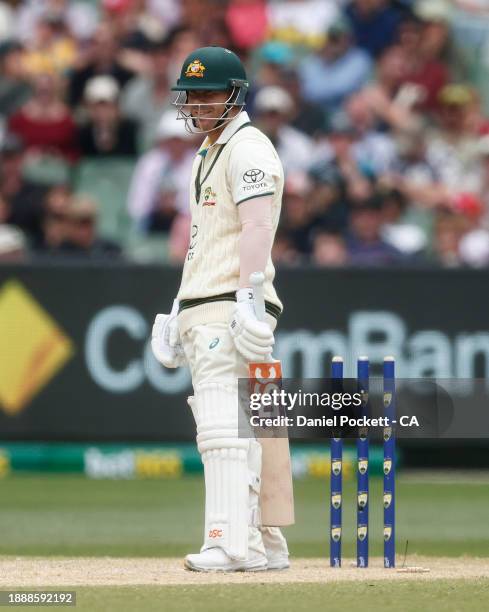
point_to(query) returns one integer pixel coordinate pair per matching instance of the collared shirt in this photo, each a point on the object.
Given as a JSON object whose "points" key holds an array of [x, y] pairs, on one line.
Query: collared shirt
{"points": [[241, 165], [253, 169], [233, 125]]}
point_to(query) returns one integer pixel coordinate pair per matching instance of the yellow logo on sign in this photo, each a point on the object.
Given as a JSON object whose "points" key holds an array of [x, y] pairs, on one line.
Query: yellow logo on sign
{"points": [[32, 347]]}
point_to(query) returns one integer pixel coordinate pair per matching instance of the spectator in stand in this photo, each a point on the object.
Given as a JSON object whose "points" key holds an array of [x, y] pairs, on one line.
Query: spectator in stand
{"points": [[182, 40], [52, 49], [449, 229], [390, 101], [22, 198], [15, 88], [329, 250], [273, 108], [80, 17], [148, 96], [298, 216], [54, 224], [398, 228], [137, 23], [166, 12], [451, 146], [169, 162], [414, 174], [474, 244], [301, 23], [477, 121], [269, 63], [283, 250], [375, 24], [337, 70], [364, 242], [45, 123], [205, 20], [81, 236], [194, 12], [385, 162], [101, 57], [307, 117], [340, 158], [436, 16], [328, 198], [123, 17], [165, 210], [429, 73], [374, 149], [106, 134], [215, 31]]}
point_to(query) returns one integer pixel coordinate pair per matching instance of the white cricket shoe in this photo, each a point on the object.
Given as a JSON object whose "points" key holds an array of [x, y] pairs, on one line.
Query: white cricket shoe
{"points": [[275, 548], [216, 560]]}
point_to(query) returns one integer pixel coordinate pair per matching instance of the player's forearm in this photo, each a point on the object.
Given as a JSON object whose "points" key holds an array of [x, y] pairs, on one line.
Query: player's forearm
{"points": [[256, 237]]}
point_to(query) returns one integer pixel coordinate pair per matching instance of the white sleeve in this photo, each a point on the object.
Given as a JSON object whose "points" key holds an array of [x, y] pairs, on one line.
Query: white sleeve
{"points": [[253, 171]]}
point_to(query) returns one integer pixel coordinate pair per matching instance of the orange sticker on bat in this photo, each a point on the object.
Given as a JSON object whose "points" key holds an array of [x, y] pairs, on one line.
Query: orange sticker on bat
{"points": [[265, 378], [272, 370]]}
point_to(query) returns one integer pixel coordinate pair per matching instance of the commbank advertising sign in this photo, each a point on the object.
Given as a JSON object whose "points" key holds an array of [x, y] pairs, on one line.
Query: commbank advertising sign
{"points": [[76, 362]]}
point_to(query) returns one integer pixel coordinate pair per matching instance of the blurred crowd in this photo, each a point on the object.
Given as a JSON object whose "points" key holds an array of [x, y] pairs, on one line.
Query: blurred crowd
{"points": [[372, 105]]}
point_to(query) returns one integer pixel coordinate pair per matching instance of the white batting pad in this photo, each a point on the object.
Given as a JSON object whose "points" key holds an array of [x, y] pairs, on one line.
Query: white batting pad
{"points": [[231, 488]]}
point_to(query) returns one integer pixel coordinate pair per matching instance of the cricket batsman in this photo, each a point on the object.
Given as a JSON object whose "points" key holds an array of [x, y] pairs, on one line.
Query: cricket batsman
{"points": [[236, 191]]}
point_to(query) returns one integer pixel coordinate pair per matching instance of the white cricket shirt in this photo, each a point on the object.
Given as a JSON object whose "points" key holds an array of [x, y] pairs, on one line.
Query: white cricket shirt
{"points": [[242, 164]]}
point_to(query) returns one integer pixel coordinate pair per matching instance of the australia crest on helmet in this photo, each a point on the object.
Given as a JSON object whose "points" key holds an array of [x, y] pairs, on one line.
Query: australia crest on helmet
{"points": [[195, 69]]}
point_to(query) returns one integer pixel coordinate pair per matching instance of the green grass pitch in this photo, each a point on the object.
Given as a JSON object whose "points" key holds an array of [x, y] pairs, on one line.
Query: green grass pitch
{"points": [[62, 515], [71, 516]]}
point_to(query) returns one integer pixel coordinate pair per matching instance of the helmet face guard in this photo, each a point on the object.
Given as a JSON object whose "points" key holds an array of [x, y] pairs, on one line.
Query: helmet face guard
{"points": [[190, 112]]}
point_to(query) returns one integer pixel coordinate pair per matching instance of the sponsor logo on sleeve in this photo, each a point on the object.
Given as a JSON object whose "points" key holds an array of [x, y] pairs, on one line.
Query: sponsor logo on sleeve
{"points": [[253, 176]]}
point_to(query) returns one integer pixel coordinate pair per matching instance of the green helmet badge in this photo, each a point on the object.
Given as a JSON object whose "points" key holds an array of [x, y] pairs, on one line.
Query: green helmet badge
{"points": [[195, 69], [211, 69]]}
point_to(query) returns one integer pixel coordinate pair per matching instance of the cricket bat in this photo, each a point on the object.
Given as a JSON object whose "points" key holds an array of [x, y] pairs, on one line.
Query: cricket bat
{"points": [[277, 494]]}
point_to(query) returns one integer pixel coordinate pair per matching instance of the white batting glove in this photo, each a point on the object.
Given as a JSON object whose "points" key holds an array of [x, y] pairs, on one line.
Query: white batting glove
{"points": [[252, 338], [165, 339]]}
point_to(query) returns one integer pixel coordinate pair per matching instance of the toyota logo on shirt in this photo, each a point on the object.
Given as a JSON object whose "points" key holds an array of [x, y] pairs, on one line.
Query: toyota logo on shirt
{"points": [[253, 176]]}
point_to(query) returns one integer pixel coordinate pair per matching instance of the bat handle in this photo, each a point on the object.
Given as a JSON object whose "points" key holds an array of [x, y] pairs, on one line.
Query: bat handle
{"points": [[257, 280]]}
